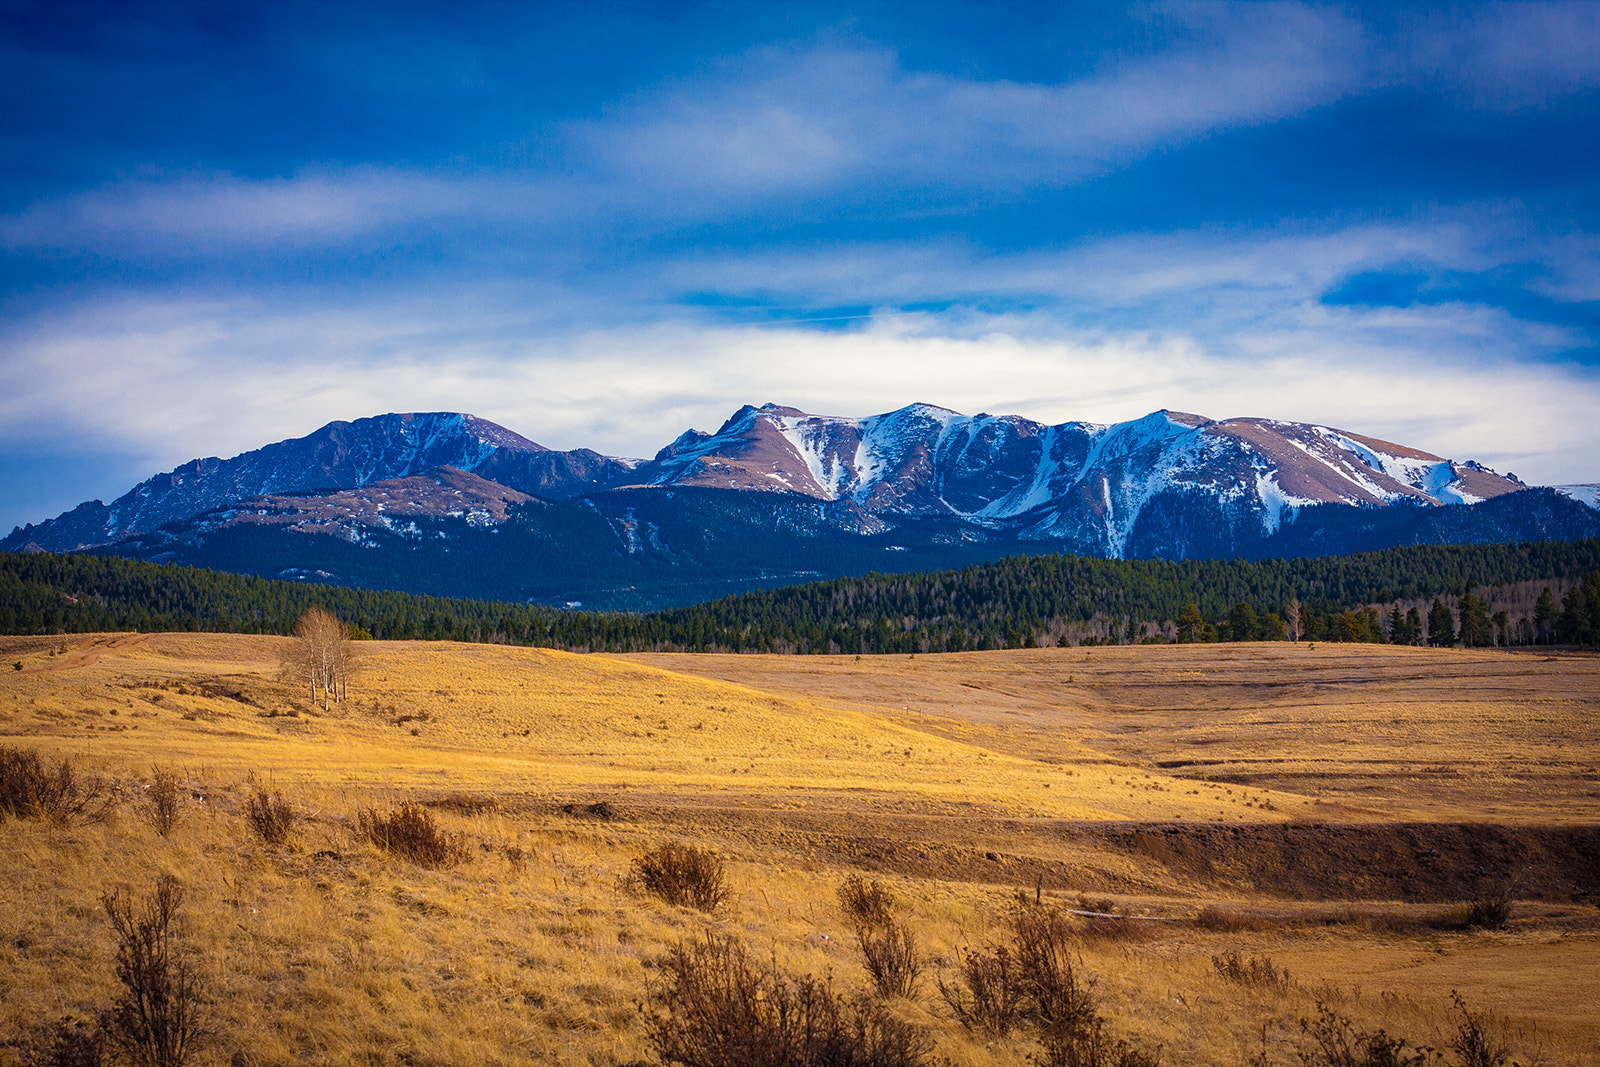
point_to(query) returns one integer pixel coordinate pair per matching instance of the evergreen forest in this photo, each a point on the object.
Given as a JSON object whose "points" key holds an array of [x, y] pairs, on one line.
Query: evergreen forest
{"points": [[1435, 594]]}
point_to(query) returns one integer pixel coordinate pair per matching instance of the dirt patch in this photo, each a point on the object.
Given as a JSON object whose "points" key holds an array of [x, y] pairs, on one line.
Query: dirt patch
{"points": [[1411, 862]]}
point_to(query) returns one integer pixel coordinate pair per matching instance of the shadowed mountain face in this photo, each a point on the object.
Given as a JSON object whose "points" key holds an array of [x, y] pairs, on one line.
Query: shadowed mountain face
{"points": [[935, 487], [341, 455]]}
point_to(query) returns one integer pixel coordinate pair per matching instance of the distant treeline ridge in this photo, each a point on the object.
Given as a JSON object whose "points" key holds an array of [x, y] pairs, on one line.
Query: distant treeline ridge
{"points": [[1015, 602]]}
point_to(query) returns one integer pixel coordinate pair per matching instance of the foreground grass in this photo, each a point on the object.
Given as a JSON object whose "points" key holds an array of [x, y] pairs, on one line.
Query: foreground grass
{"points": [[537, 946]]}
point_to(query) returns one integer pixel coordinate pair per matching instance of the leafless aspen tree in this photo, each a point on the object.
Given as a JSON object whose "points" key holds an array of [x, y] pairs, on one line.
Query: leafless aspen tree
{"points": [[1292, 617], [320, 658]]}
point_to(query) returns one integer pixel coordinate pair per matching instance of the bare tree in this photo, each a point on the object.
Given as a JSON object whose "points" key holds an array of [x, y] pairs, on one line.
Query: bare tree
{"points": [[1292, 617], [320, 657]]}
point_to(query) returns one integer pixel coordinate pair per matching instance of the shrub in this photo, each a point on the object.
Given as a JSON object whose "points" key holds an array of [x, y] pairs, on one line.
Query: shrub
{"points": [[1256, 972], [158, 1019], [1334, 1042], [69, 1043], [1491, 908], [1035, 979], [890, 951], [30, 789], [1056, 994], [411, 833], [865, 903], [163, 811], [992, 997], [1085, 1044], [270, 816], [716, 1007], [1473, 1043], [683, 875], [887, 945]]}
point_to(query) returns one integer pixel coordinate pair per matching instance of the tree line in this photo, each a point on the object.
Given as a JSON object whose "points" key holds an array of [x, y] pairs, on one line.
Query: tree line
{"points": [[1014, 602]]}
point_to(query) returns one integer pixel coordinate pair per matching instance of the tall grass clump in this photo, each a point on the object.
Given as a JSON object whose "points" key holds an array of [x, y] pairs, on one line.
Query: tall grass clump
{"points": [[1491, 906], [1036, 980], [864, 902], [888, 947], [1254, 972], [717, 1007], [69, 1042], [1331, 1040], [683, 875], [988, 993], [270, 816], [158, 1020], [164, 799], [411, 833], [1473, 1043], [30, 788]]}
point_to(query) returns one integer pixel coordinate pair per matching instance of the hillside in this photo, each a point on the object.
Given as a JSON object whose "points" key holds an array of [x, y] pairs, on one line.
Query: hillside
{"points": [[1310, 809]]}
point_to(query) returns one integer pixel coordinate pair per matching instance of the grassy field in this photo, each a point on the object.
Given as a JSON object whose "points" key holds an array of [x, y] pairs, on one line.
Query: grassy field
{"points": [[1332, 809]]}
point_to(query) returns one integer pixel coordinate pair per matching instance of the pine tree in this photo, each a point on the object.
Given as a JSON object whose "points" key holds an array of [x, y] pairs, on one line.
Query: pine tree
{"points": [[1475, 631], [1544, 617], [1190, 624], [1441, 625]]}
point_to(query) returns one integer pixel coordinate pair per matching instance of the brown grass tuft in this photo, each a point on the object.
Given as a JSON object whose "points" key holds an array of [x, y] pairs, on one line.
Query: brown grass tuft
{"points": [[1253, 972], [865, 903], [163, 797], [990, 991], [716, 1007], [29, 788], [270, 816], [1225, 920], [411, 833], [683, 875], [1331, 1040]]}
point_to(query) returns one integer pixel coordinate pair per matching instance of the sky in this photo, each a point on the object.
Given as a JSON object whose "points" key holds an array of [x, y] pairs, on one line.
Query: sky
{"points": [[227, 224]]}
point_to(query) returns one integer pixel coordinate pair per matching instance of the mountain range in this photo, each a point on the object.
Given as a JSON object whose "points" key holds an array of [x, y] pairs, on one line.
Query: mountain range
{"points": [[452, 504]]}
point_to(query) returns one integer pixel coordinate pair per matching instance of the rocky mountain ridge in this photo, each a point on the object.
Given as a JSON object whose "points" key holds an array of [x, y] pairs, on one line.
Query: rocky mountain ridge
{"points": [[938, 486]]}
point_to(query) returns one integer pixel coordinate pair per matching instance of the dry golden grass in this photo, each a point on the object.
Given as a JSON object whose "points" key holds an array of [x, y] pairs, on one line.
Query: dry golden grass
{"points": [[957, 780], [1481, 734]]}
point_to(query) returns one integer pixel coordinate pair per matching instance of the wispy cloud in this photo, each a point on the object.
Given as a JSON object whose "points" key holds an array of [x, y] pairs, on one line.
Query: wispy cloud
{"points": [[780, 120], [247, 376]]}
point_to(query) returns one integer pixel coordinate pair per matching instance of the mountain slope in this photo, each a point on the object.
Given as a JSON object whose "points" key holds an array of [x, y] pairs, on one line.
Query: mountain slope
{"points": [[452, 504], [340, 455]]}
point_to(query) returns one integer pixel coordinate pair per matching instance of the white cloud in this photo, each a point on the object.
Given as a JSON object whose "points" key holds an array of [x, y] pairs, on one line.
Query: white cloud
{"points": [[178, 380], [784, 119], [190, 215]]}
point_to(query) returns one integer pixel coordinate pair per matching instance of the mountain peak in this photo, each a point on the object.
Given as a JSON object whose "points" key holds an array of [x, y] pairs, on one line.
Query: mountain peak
{"points": [[1170, 483]]}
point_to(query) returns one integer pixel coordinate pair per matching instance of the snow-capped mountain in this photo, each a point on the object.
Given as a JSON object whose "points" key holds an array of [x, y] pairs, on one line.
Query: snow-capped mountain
{"points": [[775, 494], [1075, 481]]}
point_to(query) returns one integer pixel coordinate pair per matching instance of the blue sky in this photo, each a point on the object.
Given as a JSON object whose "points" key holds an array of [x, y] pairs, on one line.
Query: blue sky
{"points": [[223, 225]]}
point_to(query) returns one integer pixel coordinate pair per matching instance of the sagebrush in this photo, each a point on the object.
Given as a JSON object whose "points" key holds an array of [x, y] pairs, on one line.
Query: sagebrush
{"points": [[717, 1007], [31, 788], [270, 816], [411, 832], [158, 1019], [683, 875]]}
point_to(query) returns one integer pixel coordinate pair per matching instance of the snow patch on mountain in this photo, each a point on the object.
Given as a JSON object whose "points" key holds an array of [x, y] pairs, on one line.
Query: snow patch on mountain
{"points": [[1275, 501], [1588, 494]]}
